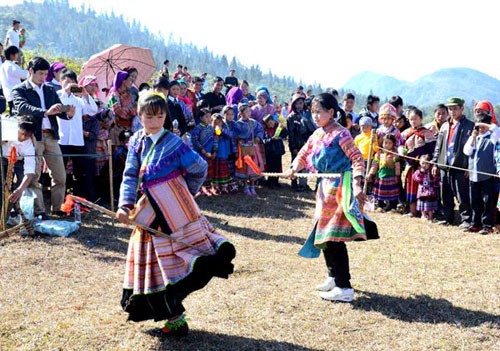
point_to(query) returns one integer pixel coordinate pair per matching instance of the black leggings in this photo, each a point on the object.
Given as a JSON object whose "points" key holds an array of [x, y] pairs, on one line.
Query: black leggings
{"points": [[337, 262]]}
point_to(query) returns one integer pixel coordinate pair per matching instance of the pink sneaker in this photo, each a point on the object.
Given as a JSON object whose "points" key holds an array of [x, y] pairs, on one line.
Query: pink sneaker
{"points": [[252, 191], [247, 191]]}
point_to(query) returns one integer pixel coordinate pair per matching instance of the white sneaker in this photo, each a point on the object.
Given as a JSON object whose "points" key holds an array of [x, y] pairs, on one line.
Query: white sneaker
{"points": [[338, 294], [327, 285]]}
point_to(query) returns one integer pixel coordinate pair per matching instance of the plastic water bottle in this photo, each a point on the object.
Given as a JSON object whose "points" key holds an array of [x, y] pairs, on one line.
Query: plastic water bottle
{"points": [[78, 214], [175, 125]]}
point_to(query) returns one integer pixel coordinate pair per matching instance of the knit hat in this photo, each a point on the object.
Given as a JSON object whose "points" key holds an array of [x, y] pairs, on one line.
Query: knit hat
{"points": [[365, 121], [486, 106], [388, 110]]}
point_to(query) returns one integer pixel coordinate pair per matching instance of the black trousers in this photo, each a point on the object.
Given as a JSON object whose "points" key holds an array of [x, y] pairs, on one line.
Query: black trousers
{"points": [[484, 201], [455, 184], [337, 262], [273, 166]]}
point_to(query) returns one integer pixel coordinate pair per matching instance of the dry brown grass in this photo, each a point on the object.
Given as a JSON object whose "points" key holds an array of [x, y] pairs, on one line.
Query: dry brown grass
{"points": [[420, 287]]}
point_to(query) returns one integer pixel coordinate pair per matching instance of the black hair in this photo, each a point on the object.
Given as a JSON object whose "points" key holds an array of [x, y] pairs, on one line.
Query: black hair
{"points": [[179, 66], [11, 50], [153, 104], [348, 116], [124, 135], [161, 82], [26, 123], [372, 99], [173, 83], [328, 102], [335, 92], [218, 79], [202, 112], [38, 63], [348, 96], [244, 82], [267, 117], [196, 79], [391, 137], [418, 112], [165, 62], [130, 69], [144, 86], [396, 101], [439, 107], [67, 73]]}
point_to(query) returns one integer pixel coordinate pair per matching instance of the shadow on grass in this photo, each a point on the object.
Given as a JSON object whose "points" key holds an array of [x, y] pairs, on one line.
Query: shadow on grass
{"points": [[201, 340], [280, 203], [423, 309], [255, 234]]}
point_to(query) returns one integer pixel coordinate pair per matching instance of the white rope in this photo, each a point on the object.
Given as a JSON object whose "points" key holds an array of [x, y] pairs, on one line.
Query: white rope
{"points": [[439, 164], [302, 175]]}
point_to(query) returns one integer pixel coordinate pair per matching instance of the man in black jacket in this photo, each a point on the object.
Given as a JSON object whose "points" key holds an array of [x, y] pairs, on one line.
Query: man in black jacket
{"points": [[450, 151], [34, 98]]}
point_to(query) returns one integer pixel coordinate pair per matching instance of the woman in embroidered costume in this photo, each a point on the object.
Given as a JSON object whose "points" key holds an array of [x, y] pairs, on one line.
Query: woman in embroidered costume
{"points": [[163, 173], [338, 216]]}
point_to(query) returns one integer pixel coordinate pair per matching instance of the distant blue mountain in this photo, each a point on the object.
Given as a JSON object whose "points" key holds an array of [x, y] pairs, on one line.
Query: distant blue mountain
{"points": [[430, 89]]}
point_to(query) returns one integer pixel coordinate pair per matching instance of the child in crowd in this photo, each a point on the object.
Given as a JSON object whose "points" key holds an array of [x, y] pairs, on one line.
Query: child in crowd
{"points": [[229, 126], [350, 126], [205, 144], [105, 118], [364, 140], [219, 168], [428, 187], [248, 134], [387, 116], [386, 168], [481, 151], [274, 133]]}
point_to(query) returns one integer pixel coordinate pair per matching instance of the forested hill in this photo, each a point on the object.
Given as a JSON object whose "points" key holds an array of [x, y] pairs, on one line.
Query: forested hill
{"points": [[56, 28]]}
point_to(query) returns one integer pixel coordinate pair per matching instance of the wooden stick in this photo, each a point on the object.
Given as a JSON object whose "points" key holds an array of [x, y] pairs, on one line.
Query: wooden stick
{"points": [[17, 228], [111, 190], [143, 226], [369, 162]]}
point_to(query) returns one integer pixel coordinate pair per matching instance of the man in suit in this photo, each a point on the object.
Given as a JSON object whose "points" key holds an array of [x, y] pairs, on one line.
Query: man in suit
{"points": [[34, 98], [450, 151]]}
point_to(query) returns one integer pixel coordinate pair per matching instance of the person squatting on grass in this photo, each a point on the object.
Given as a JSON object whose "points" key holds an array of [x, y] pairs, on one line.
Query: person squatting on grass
{"points": [[338, 216], [163, 173]]}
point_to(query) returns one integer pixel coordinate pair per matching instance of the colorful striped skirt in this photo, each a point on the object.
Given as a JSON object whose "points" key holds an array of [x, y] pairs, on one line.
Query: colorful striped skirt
{"points": [[411, 186], [427, 204], [386, 189], [218, 171]]}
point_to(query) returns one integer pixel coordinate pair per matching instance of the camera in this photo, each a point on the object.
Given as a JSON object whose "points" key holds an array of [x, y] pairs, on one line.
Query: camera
{"points": [[65, 108], [74, 89], [476, 128]]}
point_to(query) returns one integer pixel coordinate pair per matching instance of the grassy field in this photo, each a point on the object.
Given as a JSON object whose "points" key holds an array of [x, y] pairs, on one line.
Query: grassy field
{"points": [[420, 287]]}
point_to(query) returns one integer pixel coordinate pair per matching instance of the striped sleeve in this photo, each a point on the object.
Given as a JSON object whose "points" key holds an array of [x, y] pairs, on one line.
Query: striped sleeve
{"points": [[347, 144]]}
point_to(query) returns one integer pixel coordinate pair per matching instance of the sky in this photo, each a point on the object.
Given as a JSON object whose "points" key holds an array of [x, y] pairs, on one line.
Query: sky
{"points": [[329, 41]]}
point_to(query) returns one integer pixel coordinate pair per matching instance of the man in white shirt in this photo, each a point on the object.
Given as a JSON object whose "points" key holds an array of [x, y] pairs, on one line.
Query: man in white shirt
{"points": [[36, 99], [25, 167], [12, 37], [11, 74], [71, 132]]}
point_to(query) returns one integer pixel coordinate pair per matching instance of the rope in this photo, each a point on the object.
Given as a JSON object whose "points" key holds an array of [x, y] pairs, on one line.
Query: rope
{"points": [[440, 164], [302, 175]]}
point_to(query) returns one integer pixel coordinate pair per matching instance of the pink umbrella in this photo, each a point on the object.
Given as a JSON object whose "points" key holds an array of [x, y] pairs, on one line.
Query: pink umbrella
{"points": [[105, 64]]}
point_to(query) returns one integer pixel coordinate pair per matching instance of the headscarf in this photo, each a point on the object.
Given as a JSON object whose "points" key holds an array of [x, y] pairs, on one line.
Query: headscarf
{"points": [[87, 80], [269, 100], [388, 109], [234, 96], [55, 67], [487, 106], [120, 76]]}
